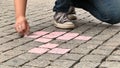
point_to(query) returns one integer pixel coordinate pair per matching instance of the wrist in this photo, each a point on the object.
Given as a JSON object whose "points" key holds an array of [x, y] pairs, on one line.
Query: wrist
{"points": [[20, 19]]}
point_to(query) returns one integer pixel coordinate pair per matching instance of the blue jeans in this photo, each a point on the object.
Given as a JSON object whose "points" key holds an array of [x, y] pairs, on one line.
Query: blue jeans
{"points": [[105, 10]]}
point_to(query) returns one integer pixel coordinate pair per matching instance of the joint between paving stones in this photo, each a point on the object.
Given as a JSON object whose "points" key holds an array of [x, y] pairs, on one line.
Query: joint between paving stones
{"points": [[106, 57]]}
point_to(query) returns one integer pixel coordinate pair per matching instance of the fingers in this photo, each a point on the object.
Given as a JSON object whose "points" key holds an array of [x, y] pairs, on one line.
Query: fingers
{"points": [[22, 28], [27, 31]]}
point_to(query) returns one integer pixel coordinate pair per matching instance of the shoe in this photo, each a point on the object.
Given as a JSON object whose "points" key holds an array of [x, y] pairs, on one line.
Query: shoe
{"points": [[62, 21], [71, 13]]}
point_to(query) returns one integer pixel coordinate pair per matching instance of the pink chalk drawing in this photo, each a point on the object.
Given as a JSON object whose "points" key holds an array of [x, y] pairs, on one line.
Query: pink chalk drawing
{"points": [[68, 36], [83, 38], [38, 50], [54, 34], [44, 40], [59, 51]]}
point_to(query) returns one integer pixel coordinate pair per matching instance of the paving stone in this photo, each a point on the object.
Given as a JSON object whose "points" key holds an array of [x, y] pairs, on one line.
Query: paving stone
{"points": [[88, 46], [5, 48], [41, 33], [14, 50], [33, 36], [74, 57], [80, 51], [5, 58], [38, 50], [106, 47], [9, 54], [86, 65], [68, 36], [51, 57], [117, 52], [49, 45], [28, 46], [111, 43], [83, 38], [102, 37], [28, 67], [4, 40], [13, 36], [57, 41], [28, 56], [92, 32], [6, 28], [113, 58], [3, 34], [63, 63], [97, 42], [93, 58], [115, 38], [56, 67], [15, 62], [34, 29], [13, 53], [21, 41], [37, 34], [110, 65], [101, 52], [59, 51], [39, 63], [76, 42], [54, 34], [3, 66], [43, 40], [50, 29], [68, 45], [11, 31]]}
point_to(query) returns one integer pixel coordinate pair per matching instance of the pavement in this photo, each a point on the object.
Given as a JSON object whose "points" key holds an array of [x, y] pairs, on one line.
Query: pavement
{"points": [[92, 44]]}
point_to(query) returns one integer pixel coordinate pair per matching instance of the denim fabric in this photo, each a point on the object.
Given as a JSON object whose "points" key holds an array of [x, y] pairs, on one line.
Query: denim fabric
{"points": [[62, 5], [105, 10]]}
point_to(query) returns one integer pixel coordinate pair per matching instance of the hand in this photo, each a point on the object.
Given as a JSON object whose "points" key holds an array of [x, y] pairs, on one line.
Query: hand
{"points": [[22, 26]]}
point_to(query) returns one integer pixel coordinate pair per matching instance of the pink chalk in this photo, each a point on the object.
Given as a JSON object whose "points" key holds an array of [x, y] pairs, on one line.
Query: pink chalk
{"points": [[33, 36], [59, 51], [68, 36], [37, 34], [40, 33], [38, 50], [49, 45], [44, 40], [83, 38], [54, 34]]}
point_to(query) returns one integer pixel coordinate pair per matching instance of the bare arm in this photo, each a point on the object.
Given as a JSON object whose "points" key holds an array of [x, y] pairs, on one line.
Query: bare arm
{"points": [[20, 8], [21, 24]]}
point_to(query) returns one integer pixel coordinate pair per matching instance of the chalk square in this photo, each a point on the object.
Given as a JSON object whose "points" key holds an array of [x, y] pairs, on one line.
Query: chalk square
{"points": [[49, 45], [40, 33], [44, 40], [54, 34], [38, 50], [83, 38], [68, 36], [59, 51]]}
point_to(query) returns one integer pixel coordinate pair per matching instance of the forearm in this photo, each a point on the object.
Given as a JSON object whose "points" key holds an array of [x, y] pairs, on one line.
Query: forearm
{"points": [[20, 8]]}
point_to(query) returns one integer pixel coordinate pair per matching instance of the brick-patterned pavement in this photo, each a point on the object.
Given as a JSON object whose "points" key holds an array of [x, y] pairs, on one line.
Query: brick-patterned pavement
{"points": [[92, 44]]}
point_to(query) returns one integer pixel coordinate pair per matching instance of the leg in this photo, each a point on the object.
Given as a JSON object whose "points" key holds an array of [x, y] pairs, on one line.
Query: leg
{"points": [[62, 6], [61, 9], [107, 11]]}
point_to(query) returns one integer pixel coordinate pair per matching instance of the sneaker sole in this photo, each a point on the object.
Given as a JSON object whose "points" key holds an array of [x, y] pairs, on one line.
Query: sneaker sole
{"points": [[64, 26]]}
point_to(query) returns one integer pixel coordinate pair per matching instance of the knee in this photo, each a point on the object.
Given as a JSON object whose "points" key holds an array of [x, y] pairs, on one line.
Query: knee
{"points": [[112, 18]]}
